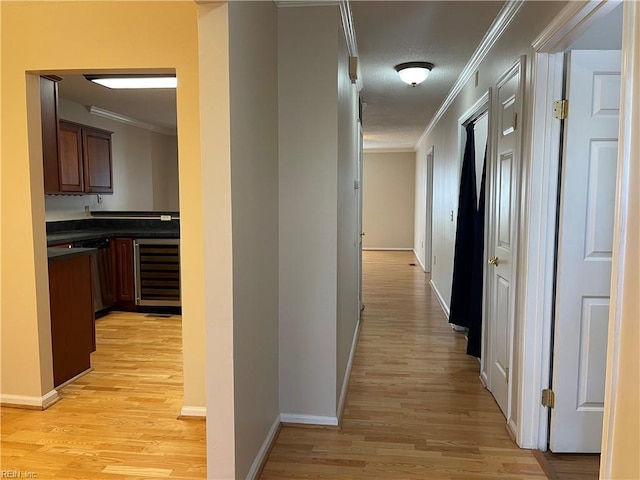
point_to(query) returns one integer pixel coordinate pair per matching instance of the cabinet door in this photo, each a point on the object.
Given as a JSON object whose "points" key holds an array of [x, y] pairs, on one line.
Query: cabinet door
{"points": [[124, 269], [49, 118], [72, 317], [98, 176], [70, 157]]}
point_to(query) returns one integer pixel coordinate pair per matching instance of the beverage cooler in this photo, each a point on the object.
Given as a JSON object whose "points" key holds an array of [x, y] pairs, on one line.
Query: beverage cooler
{"points": [[157, 272]]}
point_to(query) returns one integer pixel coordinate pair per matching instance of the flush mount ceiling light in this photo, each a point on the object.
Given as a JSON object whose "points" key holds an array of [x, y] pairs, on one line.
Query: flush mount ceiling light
{"points": [[134, 81], [413, 73]]}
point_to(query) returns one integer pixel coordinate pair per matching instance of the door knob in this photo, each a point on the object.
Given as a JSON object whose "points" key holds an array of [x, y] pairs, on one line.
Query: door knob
{"points": [[495, 261]]}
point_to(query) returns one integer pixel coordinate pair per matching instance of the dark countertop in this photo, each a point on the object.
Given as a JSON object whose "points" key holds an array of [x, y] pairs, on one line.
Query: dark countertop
{"points": [[82, 235], [72, 231], [57, 253]]}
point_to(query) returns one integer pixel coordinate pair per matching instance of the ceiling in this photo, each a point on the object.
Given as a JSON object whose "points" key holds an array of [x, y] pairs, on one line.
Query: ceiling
{"points": [[445, 33], [156, 107]]}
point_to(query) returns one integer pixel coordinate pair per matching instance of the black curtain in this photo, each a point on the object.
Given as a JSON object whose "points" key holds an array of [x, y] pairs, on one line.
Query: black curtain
{"points": [[474, 342], [466, 289], [464, 246]]}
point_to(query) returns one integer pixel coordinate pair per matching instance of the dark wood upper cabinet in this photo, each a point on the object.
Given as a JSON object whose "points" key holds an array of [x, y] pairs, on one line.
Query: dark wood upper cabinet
{"points": [[70, 163], [76, 158], [49, 114], [84, 159], [98, 176]]}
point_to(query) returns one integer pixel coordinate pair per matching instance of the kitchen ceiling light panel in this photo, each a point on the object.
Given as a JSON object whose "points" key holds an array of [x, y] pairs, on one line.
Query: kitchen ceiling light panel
{"points": [[133, 82]]}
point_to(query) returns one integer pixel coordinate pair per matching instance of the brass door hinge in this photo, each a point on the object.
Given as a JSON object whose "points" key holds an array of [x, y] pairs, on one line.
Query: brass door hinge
{"points": [[561, 109], [548, 398]]}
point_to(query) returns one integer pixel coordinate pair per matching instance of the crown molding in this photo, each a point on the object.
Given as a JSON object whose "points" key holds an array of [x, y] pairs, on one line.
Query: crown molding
{"points": [[389, 150], [497, 28], [100, 112], [303, 3]]}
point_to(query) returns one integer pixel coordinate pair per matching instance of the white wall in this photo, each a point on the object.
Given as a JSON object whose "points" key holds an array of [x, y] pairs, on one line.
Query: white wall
{"points": [[389, 199], [530, 20], [314, 321], [516, 41], [348, 234], [254, 189], [138, 157]]}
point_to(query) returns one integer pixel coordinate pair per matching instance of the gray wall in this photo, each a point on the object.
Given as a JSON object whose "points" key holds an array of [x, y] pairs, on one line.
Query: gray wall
{"points": [[318, 293], [254, 187]]}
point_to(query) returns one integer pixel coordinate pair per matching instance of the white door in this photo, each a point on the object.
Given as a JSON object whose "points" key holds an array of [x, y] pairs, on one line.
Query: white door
{"points": [[585, 237], [500, 248]]}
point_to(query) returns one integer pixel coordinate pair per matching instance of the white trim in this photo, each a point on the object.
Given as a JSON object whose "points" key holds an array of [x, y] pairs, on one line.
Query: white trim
{"points": [[261, 456], [42, 402], [419, 261], [305, 3], [497, 28], [443, 304], [623, 314], [484, 379], [512, 428], [428, 210], [297, 418], [193, 411], [393, 249], [540, 180], [541, 142], [100, 112], [389, 150], [570, 23], [347, 373]]}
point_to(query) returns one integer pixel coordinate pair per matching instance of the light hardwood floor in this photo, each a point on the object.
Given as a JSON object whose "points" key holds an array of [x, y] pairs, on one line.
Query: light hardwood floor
{"points": [[120, 420], [416, 408]]}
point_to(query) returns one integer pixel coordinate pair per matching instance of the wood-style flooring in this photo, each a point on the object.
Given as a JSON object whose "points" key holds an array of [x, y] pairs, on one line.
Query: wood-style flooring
{"points": [[415, 408], [120, 420], [569, 466]]}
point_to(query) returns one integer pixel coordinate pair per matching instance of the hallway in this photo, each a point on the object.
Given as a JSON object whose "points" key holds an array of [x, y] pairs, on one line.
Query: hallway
{"points": [[415, 408]]}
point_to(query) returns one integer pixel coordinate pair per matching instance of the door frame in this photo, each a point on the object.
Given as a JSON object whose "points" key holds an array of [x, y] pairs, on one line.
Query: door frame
{"points": [[538, 202], [428, 223]]}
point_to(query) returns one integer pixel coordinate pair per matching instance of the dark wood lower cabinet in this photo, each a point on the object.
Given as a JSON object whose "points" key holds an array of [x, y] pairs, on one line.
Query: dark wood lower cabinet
{"points": [[122, 255], [72, 316]]}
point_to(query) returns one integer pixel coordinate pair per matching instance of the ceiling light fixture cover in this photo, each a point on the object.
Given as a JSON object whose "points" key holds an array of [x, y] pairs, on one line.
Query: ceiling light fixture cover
{"points": [[134, 81], [413, 73]]}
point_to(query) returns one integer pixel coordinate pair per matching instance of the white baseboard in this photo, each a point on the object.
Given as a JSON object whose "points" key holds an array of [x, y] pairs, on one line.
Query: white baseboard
{"points": [[347, 373], [26, 401], [391, 249], [443, 304], [308, 419], [261, 457], [193, 411], [424, 269], [512, 430]]}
